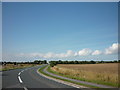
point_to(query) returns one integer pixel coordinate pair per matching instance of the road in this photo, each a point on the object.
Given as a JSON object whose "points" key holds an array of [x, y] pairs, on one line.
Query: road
{"points": [[28, 79]]}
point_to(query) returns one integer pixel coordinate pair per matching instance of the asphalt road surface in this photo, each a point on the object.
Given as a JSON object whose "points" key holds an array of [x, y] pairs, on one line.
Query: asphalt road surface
{"points": [[27, 79]]}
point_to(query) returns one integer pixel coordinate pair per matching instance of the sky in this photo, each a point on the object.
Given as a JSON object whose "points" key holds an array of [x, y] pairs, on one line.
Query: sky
{"points": [[64, 30]]}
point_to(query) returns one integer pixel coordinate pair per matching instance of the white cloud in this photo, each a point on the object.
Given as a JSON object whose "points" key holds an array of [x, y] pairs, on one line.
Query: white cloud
{"points": [[69, 53], [112, 49], [48, 55], [75, 54], [96, 52], [85, 52]]}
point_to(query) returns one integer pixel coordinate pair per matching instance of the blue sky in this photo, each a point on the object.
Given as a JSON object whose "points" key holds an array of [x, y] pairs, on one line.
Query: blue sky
{"points": [[59, 31]]}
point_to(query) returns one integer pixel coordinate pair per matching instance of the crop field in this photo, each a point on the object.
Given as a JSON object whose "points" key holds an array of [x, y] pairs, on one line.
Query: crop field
{"points": [[12, 66], [106, 73]]}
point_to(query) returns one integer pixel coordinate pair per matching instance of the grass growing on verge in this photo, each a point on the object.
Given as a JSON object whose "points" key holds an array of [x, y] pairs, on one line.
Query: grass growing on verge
{"points": [[106, 74], [12, 66], [41, 71]]}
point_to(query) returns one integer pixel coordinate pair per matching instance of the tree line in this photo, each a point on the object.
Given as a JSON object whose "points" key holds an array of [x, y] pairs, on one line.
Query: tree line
{"points": [[53, 63], [34, 62]]}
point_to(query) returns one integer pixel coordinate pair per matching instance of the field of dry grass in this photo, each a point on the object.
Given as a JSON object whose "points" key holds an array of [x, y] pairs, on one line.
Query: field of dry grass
{"points": [[98, 73], [12, 66]]}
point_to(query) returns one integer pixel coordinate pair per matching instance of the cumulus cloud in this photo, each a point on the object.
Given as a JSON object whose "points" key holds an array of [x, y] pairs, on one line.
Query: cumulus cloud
{"points": [[112, 49], [69, 53], [84, 52], [96, 52]]}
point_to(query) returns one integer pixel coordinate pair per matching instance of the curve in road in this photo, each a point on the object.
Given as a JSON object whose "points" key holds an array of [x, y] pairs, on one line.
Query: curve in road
{"points": [[27, 79]]}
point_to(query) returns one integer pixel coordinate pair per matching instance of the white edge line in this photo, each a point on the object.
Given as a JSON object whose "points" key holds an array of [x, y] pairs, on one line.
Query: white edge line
{"points": [[60, 81]]}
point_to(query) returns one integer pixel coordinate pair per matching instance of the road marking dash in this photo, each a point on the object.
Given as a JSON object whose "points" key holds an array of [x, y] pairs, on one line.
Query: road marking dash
{"points": [[20, 79], [19, 73], [25, 88]]}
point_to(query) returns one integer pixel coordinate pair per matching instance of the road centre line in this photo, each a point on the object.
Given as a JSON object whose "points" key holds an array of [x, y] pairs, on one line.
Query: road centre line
{"points": [[20, 79], [19, 73], [25, 88]]}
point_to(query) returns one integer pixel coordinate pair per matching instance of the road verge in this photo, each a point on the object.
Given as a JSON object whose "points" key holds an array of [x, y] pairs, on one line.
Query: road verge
{"points": [[61, 80], [16, 67]]}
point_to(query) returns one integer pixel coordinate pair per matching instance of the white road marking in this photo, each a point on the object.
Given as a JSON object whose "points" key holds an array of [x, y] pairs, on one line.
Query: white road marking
{"points": [[19, 73], [20, 79], [22, 71], [25, 88]]}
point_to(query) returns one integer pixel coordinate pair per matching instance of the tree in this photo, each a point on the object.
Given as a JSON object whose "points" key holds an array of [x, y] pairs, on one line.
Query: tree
{"points": [[60, 62], [119, 61], [45, 62], [76, 62], [53, 63], [15, 63], [115, 61], [92, 62]]}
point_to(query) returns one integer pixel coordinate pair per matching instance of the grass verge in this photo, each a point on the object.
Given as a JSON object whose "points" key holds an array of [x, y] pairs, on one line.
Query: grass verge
{"points": [[105, 74], [41, 71], [57, 73], [12, 67]]}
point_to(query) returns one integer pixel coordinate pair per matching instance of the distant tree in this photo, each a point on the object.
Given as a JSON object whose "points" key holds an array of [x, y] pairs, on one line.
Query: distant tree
{"points": [[60, 62], [45, 62], [115, 61], [15, 63], [102, 61], [53, 63], [118, 61], [92, 62], [76, 62], [66, 62], [71, 62], [36, 62], [4, 63]]}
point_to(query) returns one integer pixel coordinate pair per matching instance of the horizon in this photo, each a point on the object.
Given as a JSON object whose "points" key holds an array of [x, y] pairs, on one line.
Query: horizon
{"points": [[60, 31], [63, 60]]}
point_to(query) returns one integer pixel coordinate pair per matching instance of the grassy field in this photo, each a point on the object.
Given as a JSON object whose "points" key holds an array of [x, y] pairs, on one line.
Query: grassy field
{"points": [[49, 70], [106, 74], [12, 66]]}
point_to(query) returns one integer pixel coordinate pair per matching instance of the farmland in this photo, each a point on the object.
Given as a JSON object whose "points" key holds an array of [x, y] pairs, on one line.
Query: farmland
{"points": [[15, 65], [12, 66], [106, 73]]}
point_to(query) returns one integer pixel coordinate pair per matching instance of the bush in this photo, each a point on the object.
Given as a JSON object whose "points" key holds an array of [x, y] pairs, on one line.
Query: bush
{"points": [[53, 63]]}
